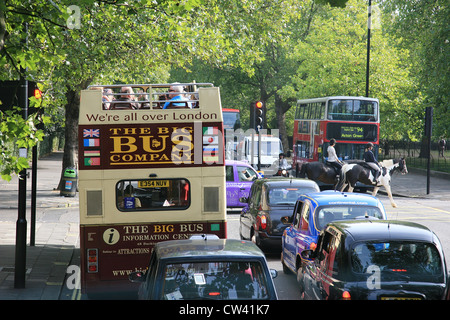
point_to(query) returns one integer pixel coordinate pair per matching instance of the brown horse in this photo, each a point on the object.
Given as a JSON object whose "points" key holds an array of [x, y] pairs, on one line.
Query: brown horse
{"points": [[319, 171]]}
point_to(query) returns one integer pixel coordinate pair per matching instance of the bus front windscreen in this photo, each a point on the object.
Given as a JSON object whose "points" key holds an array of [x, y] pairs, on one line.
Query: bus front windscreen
{"points": [[352, 110], [231, 120]]}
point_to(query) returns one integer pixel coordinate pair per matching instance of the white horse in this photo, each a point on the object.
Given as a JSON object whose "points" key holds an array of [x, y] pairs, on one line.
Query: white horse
{"points": [[353, 172]]}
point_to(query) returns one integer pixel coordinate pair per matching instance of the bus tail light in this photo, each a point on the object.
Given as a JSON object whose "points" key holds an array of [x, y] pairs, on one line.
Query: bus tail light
{"points": [[92, 260]]}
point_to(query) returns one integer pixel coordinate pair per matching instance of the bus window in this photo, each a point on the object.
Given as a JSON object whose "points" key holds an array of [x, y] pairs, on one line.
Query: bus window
{"points": [[365, 110], [139, 195], [340, 109]]}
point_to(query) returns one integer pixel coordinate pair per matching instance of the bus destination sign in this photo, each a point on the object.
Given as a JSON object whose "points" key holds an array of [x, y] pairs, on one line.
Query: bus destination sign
{"points": [[352, 132]]}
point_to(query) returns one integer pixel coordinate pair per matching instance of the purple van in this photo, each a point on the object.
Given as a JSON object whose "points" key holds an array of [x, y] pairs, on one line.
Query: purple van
{"points": [[239, 179]]}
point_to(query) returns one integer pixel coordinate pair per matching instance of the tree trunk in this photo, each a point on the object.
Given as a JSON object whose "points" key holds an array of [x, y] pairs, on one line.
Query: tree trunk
{"points": [[281, 121], [72, 109]]}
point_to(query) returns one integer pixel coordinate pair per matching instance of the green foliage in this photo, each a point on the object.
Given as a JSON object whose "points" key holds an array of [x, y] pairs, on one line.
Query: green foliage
{"points": [[422, 28], [333, 62], [16, 132], [278, 51], [334, 3]]}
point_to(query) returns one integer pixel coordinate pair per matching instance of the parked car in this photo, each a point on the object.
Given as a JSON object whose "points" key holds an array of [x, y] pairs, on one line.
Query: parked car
{"points": [[206, 268], [311, 214], [375, 260], [239, 179], [268, 201]]}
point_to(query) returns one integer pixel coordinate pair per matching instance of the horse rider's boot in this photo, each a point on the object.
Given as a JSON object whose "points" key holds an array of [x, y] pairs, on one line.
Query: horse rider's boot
{"points": [[377, 174]]}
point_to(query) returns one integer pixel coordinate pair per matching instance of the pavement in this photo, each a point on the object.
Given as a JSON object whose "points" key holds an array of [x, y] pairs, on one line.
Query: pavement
{"points": [[57, 228], [56, 235]]}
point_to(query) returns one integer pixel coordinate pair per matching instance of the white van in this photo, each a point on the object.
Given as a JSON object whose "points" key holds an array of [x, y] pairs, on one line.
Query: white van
{"points": [[271, 147]]}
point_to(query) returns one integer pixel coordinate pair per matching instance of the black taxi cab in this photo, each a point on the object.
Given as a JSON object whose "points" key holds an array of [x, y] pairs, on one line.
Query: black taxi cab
{"points": [[206, 267], [375, 260]]}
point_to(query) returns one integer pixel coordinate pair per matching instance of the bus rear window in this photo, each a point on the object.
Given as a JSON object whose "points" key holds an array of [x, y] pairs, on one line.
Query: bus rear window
{"points": [[152, 194]]}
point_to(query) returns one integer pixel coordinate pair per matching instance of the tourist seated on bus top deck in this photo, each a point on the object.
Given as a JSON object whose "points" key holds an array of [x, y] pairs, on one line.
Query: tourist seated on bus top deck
{"points": [[107, 97], [369, 158], [128, 100], [142, 99], [333, 159], [176, 94]]}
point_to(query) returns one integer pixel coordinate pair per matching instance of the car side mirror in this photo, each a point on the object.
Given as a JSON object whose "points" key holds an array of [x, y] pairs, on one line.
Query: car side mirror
{"points": [[307, 254], [243, 200], [273, 273], [286, 220], [137, 276]]}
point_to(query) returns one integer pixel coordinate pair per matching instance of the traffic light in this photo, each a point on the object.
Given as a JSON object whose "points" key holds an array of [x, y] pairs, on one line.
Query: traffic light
{"points": [[37, 93], [9, 93], [258, 108]]}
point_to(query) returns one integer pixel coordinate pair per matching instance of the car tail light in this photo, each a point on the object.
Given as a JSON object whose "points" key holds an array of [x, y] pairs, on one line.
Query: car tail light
{"points": [[92, 260], [346, 295], [261, 221]]}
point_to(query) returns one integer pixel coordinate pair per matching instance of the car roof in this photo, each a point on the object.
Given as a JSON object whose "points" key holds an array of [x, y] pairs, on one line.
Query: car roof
{"points": [[237, 162], [391, 230], [275, 182], [342, 198], [214, 248]]}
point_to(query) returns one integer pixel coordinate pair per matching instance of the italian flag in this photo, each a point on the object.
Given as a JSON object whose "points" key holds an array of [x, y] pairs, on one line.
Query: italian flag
{"points": [[210, 130]]}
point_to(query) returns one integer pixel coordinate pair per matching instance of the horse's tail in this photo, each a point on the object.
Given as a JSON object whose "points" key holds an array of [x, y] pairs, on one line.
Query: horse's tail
{"points": [[302, 173]]}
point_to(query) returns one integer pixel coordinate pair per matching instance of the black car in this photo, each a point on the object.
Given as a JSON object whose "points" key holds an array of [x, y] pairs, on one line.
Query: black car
{"points": [[375, 260], [206, 268], [269, 200]]}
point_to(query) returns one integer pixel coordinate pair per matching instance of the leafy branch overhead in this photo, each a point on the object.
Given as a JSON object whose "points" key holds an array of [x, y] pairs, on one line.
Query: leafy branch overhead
{"points": [[278, 51]]}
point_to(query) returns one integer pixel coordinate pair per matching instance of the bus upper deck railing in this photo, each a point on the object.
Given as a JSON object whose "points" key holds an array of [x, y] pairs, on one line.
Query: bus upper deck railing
{"points": [[149, 96]]}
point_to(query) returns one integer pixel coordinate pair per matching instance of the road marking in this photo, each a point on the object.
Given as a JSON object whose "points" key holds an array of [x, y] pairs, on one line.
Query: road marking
{"points": [[76, 295], [437, 209]]}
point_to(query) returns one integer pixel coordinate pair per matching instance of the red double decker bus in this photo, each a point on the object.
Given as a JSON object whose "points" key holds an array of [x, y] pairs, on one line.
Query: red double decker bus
{"points": [[231, 119], [351, 121]]}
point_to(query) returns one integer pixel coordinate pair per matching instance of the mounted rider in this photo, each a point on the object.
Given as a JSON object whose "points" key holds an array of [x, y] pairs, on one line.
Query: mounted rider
{"points": [[333, 159], [369, 158]]}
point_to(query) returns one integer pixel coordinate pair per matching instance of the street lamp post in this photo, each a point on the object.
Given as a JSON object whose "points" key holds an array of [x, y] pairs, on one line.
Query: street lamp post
{"points": [[369, 26]]}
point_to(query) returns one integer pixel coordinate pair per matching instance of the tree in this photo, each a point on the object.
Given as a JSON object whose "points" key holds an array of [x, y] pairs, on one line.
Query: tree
{"points": [[422, 28], [24, 30], [252, 29], [333, 62], [72, 46]]}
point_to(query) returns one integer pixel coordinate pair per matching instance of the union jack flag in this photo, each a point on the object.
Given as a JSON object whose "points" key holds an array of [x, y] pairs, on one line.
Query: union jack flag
{"points": [[91, 133]]}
